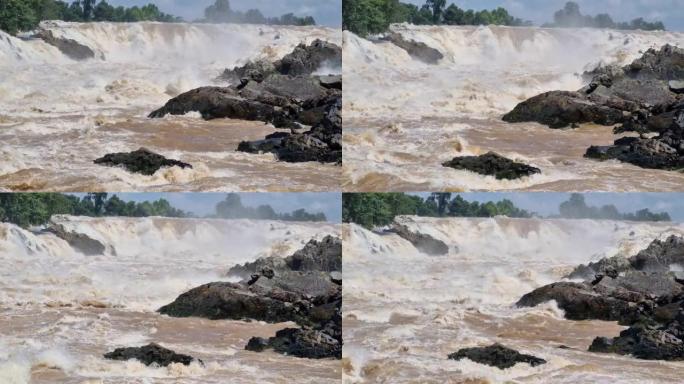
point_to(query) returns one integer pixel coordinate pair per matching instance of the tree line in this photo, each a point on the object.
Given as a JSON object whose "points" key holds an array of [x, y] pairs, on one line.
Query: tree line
{"points": [[25, 15], [364, 17], [26, 209], [571, 17], [576, 208], [232, 208], [221, 12], [378, 209]]}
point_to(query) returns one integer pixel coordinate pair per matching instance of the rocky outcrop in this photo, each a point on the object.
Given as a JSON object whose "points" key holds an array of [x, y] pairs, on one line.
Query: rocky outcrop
{"points": [[142, 161], [303, 60], [305, 287], [492, 164], [79, 241], [416, 49], [496, 355], [423, 242], [644, 97], [283, 93], [640, 292], [151, 354], [69, 47]]}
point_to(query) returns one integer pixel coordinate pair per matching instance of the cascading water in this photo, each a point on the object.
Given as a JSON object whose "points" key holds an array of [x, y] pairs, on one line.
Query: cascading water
{"points": [[406, 311], [404, 117], [61, 309], [58, 114]]}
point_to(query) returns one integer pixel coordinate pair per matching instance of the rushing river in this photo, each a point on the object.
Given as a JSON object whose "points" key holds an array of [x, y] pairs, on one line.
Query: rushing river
{"points": [[57, 115], [404, 118]]}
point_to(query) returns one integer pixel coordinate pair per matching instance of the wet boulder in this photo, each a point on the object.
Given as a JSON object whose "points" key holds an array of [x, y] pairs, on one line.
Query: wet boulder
{"points": [[150, 354], [423, 242], [324, 255], [142, 161], [79, 241], [71, 48], [307, 343], [496, 355], [492, 164], [307, 59], [416, 49]]}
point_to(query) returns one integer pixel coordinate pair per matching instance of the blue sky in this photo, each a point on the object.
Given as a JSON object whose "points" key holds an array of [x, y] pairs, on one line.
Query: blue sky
{"points": [[670, 12], [546, 203], [203, 203], [326, 12]]}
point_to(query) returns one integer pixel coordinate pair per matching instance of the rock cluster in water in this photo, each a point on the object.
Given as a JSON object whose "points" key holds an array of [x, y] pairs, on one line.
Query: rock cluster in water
{"points": [[640, 291], [285, 93], [69, 47], [416, 49], [492, 164], [151, 354], [305, 288], [496, 355], [142, 161], [644, 97]]}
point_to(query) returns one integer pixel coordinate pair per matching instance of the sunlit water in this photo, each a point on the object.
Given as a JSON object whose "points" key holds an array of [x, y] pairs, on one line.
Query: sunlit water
{"points": [[404, 118], [404, 311], [60, 310], [57, 115]]}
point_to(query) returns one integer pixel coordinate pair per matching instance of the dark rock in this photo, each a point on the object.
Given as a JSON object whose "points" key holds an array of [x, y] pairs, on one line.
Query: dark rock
{"points": [[331, 81], [69, 47], [307, 343], [496, 355], [305, 60], [560, 109], [141, 161], [492, 164], [80, 241], [423, 242], [415, 49], [324, 255], [644, 342], [150, 354]]}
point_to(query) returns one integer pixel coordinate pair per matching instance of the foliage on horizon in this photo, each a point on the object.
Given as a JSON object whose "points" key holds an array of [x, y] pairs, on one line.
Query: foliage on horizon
{"points": [[26, 209], [571, 17], [232, 208], [379, 209], [365, 17], [221, 12]]}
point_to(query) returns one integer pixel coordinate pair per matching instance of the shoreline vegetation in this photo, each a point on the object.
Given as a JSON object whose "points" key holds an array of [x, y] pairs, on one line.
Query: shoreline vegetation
{"points": [[379, 209], [25, 15], [370, 17], [28, 209]]}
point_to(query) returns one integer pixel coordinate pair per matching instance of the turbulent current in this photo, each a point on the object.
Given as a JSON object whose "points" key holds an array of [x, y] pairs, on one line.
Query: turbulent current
{"points": [[404, 118], [61, 310], [406, 311], [57, 115]]}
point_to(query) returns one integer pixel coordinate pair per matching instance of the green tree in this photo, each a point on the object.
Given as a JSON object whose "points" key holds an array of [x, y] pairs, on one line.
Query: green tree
{"points": [[16, 15]]}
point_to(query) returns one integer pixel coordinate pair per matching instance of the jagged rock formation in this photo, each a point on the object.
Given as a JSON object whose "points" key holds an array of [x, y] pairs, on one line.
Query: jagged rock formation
{"points": [[496, 355], [142, 161], [492, 164], [151, 354]]}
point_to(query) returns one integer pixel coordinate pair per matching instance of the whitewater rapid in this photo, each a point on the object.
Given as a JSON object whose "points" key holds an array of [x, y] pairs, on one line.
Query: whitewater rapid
{"points": [[61, 310], [405, 311], [404, 117], [57, 115]]}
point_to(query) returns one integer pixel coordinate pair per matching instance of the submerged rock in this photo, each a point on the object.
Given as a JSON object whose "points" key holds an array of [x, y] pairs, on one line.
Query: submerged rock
{"points": [[141, 161], [492, 164], [496, 355], [69, 47], [423, 242], [415, 49], [151, 354], [640, 292]]}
